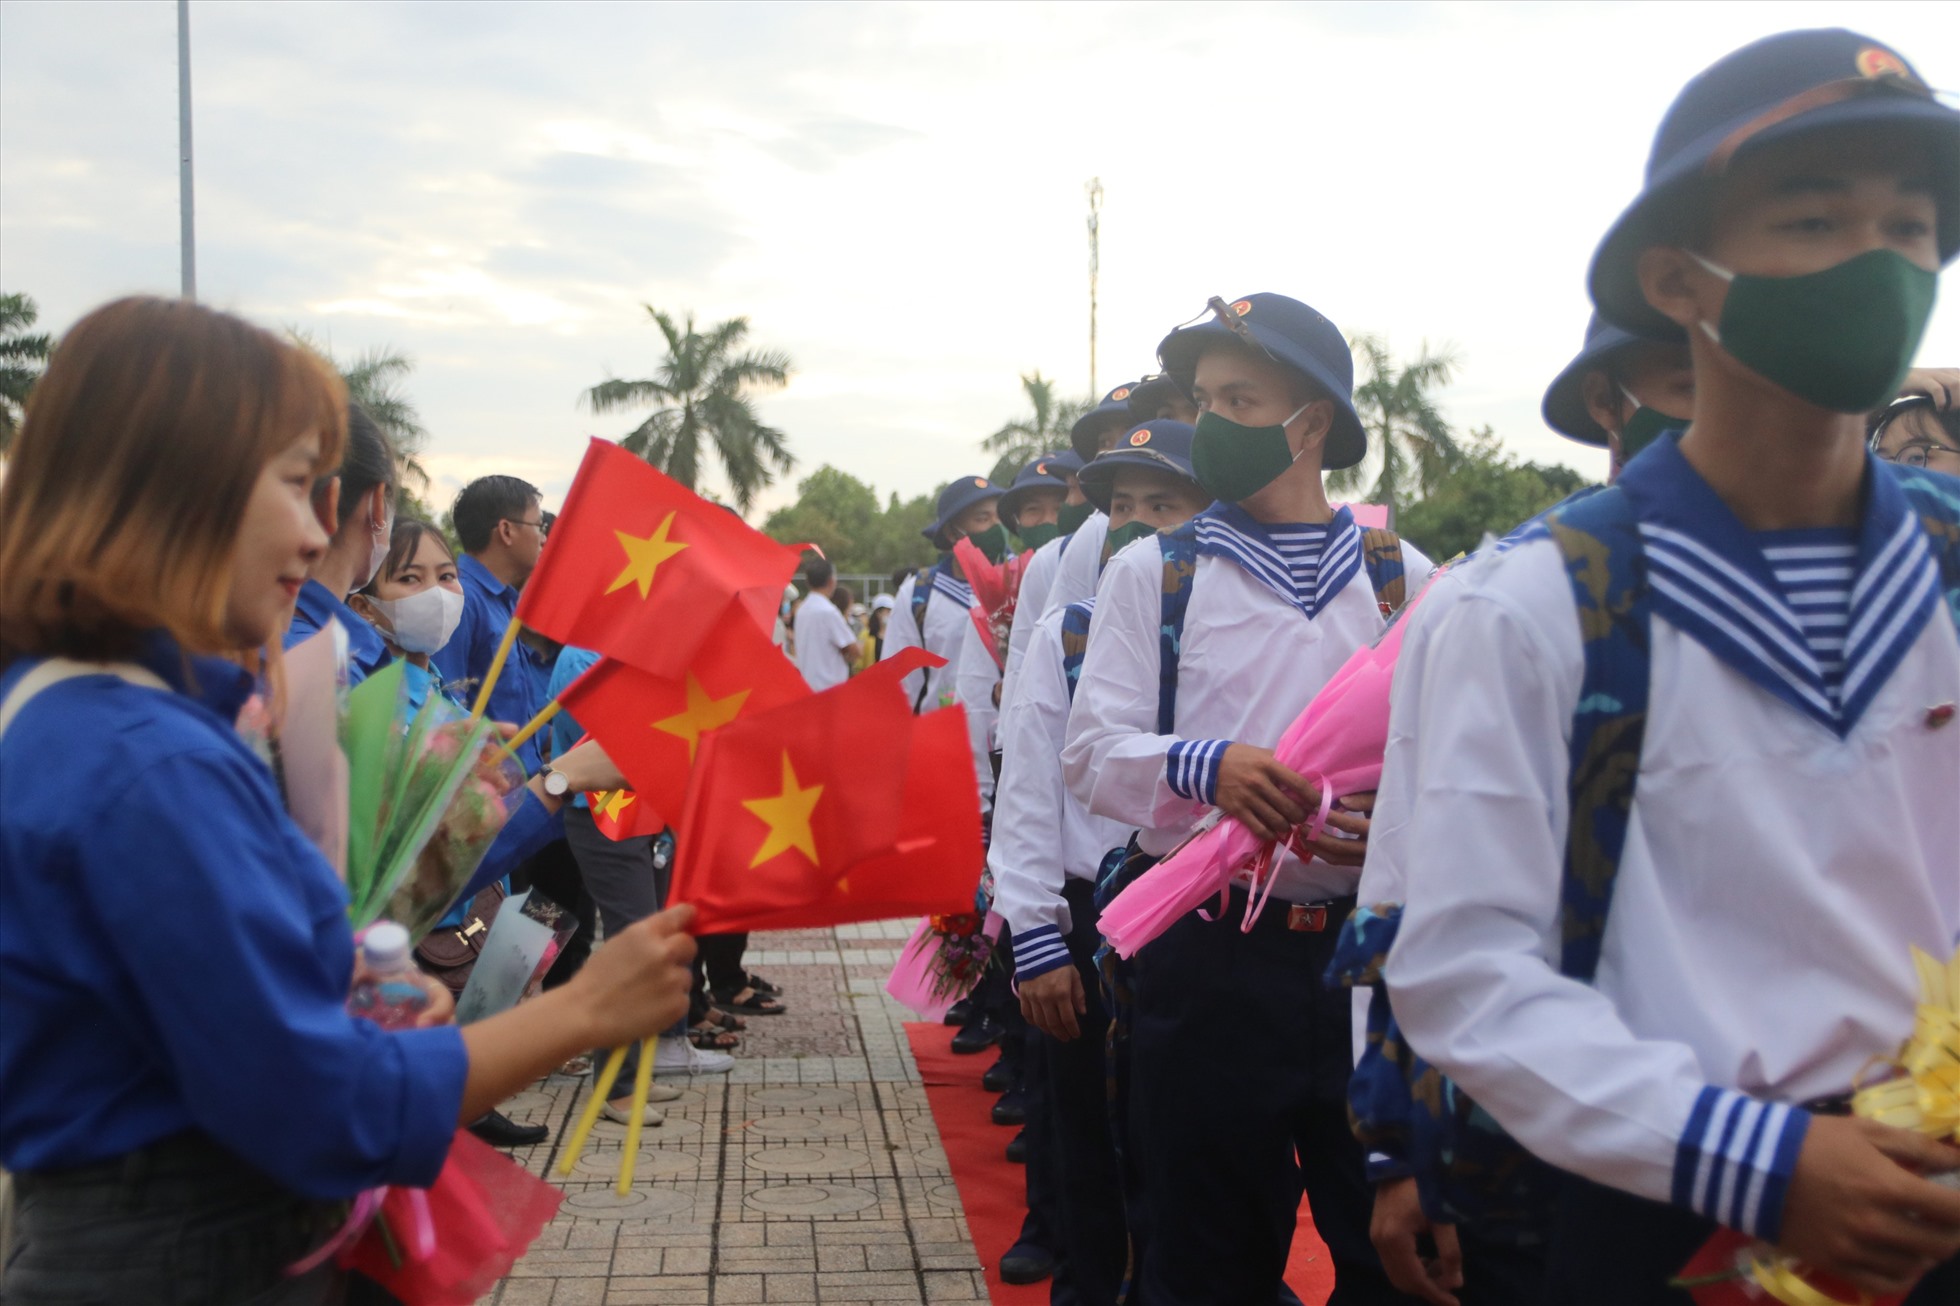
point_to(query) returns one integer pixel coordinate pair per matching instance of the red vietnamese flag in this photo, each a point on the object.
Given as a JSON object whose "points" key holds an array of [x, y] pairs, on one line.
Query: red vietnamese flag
{"points": [[622, 814], [842, 807], [652, 726], [640, 567]]}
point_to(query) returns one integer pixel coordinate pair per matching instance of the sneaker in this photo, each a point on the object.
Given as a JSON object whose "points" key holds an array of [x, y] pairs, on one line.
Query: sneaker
{"points": [[621, 1113], [674, 1055], [656, 1091]]}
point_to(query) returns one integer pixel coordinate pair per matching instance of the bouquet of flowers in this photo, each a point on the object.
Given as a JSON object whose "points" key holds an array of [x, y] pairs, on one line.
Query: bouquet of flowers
{"points": [[996, 588], [425, 801], [945, 959]]}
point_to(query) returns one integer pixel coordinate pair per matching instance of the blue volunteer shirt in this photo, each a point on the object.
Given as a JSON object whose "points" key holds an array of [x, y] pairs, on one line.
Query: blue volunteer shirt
{"points": [[572, 663], [174, 954], [488, 606], [367, 653]]}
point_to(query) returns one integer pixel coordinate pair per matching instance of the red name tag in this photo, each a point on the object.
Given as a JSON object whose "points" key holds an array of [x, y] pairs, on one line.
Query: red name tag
{"points": [[1303, 918]]}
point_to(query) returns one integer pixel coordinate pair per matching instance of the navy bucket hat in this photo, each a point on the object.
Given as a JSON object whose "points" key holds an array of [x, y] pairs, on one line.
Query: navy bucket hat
{"points": [[1152, 393], [1565, 399], [1782, 86], [1160, 445], [1048, 472], [1114, 410], [955, 499], [1293, 335]]}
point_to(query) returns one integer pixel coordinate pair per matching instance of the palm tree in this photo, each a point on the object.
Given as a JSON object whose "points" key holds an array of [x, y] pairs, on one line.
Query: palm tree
{"points": [[697, 393], [1042, 431], [1410, 446], [22, 356], [374, 381]]}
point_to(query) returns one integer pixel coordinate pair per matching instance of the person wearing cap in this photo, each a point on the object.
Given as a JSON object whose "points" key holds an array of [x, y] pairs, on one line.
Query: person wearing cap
{"points": [[1077, 567], [930, 608], [1046, 852], [1158, 396], [1793, 832], [1038, 579], [1621, 391], [1168, 725]]}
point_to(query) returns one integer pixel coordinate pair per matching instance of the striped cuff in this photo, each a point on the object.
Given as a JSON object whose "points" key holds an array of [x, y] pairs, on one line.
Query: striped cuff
{"points": [[1039, 951], [1191, 770], [1735, 1160]]}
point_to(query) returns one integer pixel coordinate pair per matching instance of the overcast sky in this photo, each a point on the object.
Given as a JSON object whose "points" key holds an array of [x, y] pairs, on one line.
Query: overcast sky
{"points": [[893, 194]]}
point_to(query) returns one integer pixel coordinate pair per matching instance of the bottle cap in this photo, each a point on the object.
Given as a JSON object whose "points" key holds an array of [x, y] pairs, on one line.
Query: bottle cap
{"points": [[385, 946]]}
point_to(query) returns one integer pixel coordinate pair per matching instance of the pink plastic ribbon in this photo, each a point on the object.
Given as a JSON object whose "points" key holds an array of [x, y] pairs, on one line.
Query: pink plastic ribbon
{"points": [[365, 1207]]}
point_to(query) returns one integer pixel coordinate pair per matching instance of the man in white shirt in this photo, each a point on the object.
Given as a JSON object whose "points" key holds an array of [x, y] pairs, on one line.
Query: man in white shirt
{"points": [[826, 647], [1786, 827]]}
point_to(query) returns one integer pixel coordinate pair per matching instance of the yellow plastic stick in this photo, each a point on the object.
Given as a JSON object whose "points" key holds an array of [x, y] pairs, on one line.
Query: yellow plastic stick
{"points": [[537, 723], [496, 669], [590, 1116], [642, 1082]]}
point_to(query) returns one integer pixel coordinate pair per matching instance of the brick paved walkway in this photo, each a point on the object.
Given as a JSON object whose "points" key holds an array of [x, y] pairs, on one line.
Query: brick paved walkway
{"points": [[811, 1173]]}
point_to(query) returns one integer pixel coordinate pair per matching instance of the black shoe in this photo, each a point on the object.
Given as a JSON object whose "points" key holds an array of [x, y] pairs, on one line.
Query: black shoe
{"points": [[1012, 1109], [1017, 1153], [959, 1013], [1026, 1263], [1002, 1075], [499, 1130], [977, 1036]]}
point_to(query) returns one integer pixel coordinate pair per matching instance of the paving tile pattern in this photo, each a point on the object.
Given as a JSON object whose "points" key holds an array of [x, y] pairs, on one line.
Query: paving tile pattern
{"points": [[810, 1174]]}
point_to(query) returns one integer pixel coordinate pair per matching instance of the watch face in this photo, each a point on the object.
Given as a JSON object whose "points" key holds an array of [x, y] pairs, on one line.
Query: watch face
{"points": [[556, 784]]}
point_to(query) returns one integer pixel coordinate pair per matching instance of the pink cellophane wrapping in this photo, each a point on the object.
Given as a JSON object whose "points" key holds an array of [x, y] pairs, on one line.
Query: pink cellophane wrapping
{"points": [[485, 1210], [1337, 742], [912, 980]]}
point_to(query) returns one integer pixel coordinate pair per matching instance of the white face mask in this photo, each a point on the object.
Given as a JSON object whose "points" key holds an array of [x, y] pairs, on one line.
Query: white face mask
{"points": [[422, 622]]}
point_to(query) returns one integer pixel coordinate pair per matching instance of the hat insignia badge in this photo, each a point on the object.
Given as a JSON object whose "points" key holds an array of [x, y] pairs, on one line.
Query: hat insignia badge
{"points": [[980, 482], [1122, 392], [1242, 308], [1139, 438], [1875, 61], [1041, 469]]}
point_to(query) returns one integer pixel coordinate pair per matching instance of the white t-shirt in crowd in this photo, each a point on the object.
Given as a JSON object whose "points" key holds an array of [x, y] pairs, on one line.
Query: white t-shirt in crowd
{"points": [[824, 643]]}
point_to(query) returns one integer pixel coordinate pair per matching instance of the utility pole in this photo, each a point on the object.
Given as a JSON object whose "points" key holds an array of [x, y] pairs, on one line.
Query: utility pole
{"points": [[1095, 268], [187, 234]]}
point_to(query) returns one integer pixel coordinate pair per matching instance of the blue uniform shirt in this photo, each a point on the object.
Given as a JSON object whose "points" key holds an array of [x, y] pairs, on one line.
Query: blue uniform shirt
{"points": [[367, 652], [174, 954], [488, 606], [573, 662]]}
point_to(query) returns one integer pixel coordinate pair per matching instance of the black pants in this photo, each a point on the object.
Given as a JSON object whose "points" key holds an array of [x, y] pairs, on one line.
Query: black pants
{"points": [[1238, 1103], [618, 879], [1611, 1248], [179, 1222], [1069, 1151], [554, 872], [719, 962]]}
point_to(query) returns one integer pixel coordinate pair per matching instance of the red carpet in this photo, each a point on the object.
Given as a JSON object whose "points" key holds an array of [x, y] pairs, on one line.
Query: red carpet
{"points": [[992, 1191]]}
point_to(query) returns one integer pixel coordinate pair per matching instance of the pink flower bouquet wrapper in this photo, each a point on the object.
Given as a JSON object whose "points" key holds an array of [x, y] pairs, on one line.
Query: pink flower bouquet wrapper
{"points": [[1337, 742]]}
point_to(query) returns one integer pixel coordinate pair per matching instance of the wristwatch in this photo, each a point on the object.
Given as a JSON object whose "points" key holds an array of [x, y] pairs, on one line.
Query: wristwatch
{"points": [[555, 782]]}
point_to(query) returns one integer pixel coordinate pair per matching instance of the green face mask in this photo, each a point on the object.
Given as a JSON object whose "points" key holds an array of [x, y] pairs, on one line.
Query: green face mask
{"points": [[1037, 535], [1073, 515], [991, 542], [1842, 338], [1643, 428], [1235, 462], [1125, 535]]}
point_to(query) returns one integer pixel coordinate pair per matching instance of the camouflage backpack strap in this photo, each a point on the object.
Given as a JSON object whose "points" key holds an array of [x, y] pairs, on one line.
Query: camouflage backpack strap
{"points": [[1075, 640], [1180, 549], [921, 596], [1381, 554], [1935, 499], [1599, 537]]}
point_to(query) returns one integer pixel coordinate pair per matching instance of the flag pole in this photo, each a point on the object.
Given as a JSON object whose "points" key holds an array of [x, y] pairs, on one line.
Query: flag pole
{"points": [[537, 723], [496, 669], [590, 1116], [642, 1083]]}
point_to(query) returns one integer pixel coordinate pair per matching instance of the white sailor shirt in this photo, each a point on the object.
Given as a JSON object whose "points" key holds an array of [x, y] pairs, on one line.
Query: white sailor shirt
{"points": [[946, 621], [976, 674]]}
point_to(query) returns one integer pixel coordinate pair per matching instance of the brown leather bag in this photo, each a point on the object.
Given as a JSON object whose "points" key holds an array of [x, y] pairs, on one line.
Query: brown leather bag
{"points": [[450, 954]]}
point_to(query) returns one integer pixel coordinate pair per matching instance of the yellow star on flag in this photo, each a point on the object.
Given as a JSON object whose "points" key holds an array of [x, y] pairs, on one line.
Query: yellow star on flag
{"points": [[616, 801], [644, 556], [702, 715], [788, 818]]}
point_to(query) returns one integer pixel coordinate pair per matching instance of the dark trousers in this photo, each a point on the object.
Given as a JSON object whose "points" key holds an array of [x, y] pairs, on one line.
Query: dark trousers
{"points": [[554, 872], [1611, 1248], [1070, 1156], [1238, 1104], [176, 1223], [719, 962], [618, 879]]}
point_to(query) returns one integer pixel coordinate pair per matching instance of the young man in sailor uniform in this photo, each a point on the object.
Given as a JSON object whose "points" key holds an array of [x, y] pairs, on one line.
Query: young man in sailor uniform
{"points": [[1673, 1004], [938, 597], [1078, 567], [1039, 576], [1046, 853], [1240, 1058]]}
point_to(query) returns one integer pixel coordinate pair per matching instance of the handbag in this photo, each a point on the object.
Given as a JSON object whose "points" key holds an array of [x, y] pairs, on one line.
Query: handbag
{"points": [[450, 953]]}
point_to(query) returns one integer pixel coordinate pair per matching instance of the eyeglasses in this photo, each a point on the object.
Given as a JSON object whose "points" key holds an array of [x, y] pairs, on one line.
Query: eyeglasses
{"points": [[539, 526], [1915, 453]]}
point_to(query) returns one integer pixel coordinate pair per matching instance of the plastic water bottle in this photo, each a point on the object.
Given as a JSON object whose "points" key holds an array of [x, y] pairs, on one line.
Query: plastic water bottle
{"points": [[387, 991]]}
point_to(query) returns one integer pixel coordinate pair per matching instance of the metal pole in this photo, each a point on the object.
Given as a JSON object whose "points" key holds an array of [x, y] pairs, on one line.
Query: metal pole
{"points": [[1095, 268], [187, 236]]}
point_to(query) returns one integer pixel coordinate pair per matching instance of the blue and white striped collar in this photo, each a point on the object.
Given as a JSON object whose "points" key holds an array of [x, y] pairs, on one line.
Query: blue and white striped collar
{"points": [[945, 582], [1710, 579], [1225, 530]]}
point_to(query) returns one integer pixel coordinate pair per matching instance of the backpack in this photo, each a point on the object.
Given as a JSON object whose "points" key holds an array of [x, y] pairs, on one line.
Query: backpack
{"points": [[1466, 1167]]}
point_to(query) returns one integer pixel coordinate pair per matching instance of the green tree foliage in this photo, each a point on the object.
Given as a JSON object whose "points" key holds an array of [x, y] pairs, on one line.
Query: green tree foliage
{"points": [[699, 396], [841, 515], [23, 353], [1487, 491], [376, 381], [1043, 430], [1410, 446]]}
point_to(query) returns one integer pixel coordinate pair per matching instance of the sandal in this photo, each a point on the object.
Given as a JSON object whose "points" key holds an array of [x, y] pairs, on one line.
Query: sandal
{"points": [[757, 1003], [712, 1039], [761, 985], [723, 1020]]}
